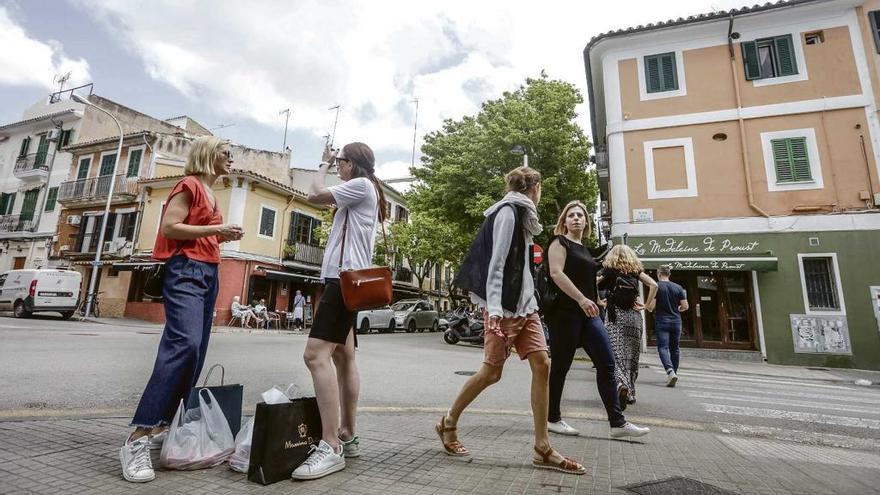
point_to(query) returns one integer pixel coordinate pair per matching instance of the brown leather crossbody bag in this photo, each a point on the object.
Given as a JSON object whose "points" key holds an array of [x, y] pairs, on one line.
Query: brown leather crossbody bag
{"points": [[367, 288]]}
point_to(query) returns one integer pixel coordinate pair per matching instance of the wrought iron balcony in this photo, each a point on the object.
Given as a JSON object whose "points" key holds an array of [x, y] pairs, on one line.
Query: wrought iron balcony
{"points": [[97, 188], [34, 166], [402, 274], [16, 223], [304, 253]]}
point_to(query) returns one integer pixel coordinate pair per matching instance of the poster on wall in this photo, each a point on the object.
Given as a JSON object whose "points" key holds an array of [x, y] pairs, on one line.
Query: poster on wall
{"points": [[819, 334]]}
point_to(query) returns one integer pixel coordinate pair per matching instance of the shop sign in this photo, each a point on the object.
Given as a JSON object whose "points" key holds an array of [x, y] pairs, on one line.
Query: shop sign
{"points": [[820, 334], [707, 245]]}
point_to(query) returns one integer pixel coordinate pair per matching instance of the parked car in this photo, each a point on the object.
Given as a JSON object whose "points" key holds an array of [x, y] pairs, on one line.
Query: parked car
{"points": [[25, 292], [415, 314], [381, 319]]}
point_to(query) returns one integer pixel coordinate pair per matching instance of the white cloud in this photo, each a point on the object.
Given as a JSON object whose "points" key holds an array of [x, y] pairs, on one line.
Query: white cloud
{"points": [[370, 57], [29, 62]]}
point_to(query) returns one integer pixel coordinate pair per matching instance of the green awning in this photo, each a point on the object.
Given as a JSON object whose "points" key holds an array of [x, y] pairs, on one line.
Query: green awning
{"points": [[733, 263]]}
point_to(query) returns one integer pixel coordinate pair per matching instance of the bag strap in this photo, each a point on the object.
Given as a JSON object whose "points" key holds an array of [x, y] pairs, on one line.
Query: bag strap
{"points": [[378, 219], [222, 375]]}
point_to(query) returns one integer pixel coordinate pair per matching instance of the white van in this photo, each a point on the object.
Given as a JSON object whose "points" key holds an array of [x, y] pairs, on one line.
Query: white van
{"points": [[27, 291]]}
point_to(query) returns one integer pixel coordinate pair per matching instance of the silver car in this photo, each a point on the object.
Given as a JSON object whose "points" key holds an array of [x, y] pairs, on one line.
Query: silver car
{"points": [[415, 314]]}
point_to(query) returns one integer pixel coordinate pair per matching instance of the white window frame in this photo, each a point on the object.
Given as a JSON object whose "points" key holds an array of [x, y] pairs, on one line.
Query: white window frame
{"points": [[690, 168], [679, 68], [797, 40], [839, 286], [812, 152], [91, 160], [143, 149], [274, 222], [118, 220]]}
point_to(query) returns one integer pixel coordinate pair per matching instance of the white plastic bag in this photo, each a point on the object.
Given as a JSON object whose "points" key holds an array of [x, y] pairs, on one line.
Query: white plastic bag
{"points": [[275, 396], [240, 459], [197, 438]]}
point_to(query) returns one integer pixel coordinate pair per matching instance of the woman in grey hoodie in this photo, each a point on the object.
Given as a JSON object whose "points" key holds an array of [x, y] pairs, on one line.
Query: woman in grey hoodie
{"points": [[497, 272]]}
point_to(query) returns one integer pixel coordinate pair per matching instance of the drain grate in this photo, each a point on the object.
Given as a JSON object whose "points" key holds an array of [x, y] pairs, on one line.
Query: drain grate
{"points": [[466, 373], [676, 486]]}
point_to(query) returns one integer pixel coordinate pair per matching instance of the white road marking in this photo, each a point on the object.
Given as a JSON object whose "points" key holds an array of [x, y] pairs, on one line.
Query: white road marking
{"points": [[801, 453], [829, 419], [783, 402], [850, 397], [764, 381], [800, 436]]}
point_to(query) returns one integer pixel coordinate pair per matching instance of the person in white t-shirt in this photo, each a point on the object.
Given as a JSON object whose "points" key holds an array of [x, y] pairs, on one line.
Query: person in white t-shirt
{"points": [[360, 207]]}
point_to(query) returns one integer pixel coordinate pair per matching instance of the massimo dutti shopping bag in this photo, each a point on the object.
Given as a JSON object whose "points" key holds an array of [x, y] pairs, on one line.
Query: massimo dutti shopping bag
{"points": [[283, 436], [229, 397]]}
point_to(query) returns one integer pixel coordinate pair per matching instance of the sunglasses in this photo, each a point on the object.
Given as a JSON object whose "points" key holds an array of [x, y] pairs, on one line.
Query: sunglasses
{"points": [[227, 154], [338, 159]]}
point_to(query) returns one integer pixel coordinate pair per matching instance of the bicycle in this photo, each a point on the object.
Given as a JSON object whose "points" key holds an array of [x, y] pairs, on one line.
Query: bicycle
{"points": [[96, 306]]}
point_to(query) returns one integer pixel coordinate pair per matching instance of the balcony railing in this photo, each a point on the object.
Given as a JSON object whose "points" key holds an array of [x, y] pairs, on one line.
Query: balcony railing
{"points": [[32, 165], [97, 188], [305, 253], [402, 274], [16, 223]]}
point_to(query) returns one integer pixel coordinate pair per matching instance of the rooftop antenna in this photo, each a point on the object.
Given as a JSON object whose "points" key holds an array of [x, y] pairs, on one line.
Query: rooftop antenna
{"points": [[286, 112], [415, 131], [221, 126], [335, 120], [61, 80]]}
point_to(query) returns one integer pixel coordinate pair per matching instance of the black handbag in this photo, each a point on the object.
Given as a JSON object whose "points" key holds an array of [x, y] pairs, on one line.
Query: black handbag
{"points": [[283, 437], [229, 398]]}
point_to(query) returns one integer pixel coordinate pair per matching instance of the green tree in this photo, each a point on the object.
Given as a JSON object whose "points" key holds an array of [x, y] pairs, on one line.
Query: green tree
{"points": [[423, 243], [464, 163]]}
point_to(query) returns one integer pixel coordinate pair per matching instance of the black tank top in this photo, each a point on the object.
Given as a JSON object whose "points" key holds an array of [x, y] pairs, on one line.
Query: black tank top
{"points": [[581, 269]]}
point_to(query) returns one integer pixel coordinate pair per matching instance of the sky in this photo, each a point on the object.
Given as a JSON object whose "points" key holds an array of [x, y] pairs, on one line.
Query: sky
{"points": [[234, 66]]}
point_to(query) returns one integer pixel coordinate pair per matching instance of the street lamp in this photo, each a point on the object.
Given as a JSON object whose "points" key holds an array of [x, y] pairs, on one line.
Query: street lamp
{"points": [[520, 150], [96, 265]]}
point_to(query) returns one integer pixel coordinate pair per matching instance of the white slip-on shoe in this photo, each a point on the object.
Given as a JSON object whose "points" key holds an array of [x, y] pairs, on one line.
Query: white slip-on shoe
{"points": [[321, 462], [562, 428], [671, 378], [351, 448], [628, 430], [135, 459]]}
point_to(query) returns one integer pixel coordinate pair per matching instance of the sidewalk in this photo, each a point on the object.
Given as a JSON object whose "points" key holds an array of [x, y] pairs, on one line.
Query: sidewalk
{"points": [[402, 455]]}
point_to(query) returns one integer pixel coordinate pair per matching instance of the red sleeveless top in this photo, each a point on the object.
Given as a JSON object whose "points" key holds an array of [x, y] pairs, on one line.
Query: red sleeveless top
{"points": [[206, 249]]}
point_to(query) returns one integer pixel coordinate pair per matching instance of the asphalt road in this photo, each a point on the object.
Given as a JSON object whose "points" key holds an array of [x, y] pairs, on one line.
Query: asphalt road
{"points": [[51, 367]]}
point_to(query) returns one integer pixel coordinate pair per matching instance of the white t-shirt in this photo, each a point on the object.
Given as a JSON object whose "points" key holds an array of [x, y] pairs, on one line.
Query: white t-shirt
{"points": [[358, 198]]}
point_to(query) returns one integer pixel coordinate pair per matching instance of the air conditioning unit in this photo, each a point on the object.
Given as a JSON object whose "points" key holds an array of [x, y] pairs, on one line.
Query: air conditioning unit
{"points": [[54, 134], [109, 247], [64, 247], [126, 248], [73, 219]]}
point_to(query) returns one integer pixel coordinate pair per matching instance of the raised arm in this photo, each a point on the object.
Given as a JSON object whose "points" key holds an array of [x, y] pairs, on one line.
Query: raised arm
{"points": [[319, 194]]}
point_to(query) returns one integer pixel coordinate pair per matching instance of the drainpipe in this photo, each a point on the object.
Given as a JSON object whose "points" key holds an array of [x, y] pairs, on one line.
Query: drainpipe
{"points": [[742, 126]]}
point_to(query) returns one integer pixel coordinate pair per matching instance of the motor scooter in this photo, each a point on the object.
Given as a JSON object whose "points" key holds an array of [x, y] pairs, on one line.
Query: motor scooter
{"points": [[464, 327]]}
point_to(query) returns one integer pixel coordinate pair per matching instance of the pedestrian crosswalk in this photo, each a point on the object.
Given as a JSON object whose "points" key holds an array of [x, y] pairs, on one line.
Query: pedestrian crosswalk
{"points": [[819, 413]]}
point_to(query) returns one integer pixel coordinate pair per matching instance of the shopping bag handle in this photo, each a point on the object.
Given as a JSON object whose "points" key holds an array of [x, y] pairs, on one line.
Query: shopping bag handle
{"points": [[222, 375]]}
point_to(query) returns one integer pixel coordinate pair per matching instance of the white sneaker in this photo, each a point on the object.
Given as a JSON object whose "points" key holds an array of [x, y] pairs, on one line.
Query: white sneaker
{"points": [[628, 430], [321, 462], [671, 378], [351, 448], [157, 440], [135, 459], [562, 428]]}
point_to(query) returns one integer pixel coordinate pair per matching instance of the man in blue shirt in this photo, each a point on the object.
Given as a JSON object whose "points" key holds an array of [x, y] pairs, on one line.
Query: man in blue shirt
{"points": [[671, 301]]}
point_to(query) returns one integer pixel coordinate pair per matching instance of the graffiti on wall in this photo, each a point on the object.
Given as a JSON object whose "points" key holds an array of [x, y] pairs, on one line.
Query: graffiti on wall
{"points": [[820, 334]]}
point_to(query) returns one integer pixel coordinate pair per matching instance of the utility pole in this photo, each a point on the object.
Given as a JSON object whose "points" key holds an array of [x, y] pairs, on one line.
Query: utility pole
{"points": [[286, 113], [335, 121], [415, 132]]}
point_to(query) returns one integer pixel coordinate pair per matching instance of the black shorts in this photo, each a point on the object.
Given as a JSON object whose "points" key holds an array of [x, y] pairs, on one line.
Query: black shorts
{"points": [[332, 321]]}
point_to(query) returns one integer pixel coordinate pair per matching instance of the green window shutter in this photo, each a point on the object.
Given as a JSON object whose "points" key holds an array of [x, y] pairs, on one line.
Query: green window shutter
{"points": [[11, 205], [134, 162], [652, 74], [107, 163], [874, 17], [750, 60], [42, 151], [51, 198], [83, 170], [4, 201], [25, 144], [670, 74], [785, 59], [29, 204], [800, 161], [782, 160]]}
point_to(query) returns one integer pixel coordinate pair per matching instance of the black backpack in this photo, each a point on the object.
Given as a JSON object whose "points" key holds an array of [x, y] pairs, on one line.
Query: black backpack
{"points": [[545, 289], [625, 291]]}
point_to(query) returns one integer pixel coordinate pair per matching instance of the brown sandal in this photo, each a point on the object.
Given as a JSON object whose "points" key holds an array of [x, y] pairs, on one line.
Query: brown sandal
{"points": [[453, 448], [567, 465]]}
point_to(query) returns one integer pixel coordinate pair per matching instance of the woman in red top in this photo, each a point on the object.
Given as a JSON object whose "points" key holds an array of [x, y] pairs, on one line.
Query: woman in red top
{"points": [[188, 242]]}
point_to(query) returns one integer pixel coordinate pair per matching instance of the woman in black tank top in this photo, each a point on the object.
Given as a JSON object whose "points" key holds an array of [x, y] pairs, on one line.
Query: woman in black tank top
{"points": [[574, 322]]}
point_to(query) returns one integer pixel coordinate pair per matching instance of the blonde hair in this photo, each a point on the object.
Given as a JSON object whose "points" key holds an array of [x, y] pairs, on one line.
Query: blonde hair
{"points": [[561, 229], [202, 155], [623, 259], [521, 179]]}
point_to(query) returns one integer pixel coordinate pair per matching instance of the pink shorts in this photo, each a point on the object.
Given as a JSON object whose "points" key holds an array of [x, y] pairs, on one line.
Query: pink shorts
{"points": [[524, 333]]}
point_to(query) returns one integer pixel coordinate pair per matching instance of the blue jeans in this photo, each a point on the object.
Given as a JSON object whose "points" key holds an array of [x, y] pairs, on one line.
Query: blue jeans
{"points": [[668, 334], [570, 329], [189, 291]]}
